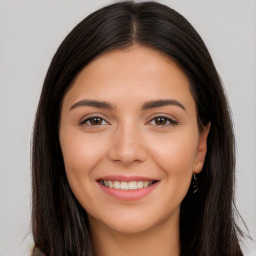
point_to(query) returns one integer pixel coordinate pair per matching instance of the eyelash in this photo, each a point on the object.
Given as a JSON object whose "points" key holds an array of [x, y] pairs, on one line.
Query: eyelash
{"points": [[84, 122], [170, 121]]}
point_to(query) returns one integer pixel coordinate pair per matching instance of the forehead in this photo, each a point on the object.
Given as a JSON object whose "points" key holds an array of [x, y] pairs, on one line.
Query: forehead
{"points": [[138, 59], [136, 72]]}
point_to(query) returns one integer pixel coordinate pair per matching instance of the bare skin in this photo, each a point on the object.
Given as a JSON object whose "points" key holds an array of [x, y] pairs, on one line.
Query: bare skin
{"points": [[157, 241], [130, 117]]}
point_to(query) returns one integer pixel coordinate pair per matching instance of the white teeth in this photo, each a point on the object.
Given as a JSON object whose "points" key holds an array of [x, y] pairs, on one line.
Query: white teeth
{"points": [[145, 184], [117, 185], [123, 185], [140, 184], [110, 184], [132, 185]]}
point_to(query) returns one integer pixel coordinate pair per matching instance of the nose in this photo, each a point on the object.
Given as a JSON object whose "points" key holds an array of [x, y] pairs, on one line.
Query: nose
{"points": [[128, 146]]}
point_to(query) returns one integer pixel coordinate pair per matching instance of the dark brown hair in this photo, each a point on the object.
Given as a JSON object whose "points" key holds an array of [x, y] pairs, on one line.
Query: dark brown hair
{"points": [[207, 220]]}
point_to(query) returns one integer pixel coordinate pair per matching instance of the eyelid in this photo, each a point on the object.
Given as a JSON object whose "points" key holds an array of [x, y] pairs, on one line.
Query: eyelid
{"points": [[169, 118], [172, 120], [92, 115]]}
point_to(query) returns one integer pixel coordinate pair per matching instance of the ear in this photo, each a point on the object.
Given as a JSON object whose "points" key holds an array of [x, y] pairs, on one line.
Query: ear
{"points": [[201, 149]]}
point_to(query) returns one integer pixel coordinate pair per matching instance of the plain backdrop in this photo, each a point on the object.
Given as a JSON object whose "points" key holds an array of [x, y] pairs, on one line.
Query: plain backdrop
{"points": [[31, 31]]}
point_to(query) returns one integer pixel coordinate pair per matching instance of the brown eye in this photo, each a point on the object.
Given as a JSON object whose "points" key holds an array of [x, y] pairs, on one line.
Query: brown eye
{"points": [[94, 121], [163, 121]]}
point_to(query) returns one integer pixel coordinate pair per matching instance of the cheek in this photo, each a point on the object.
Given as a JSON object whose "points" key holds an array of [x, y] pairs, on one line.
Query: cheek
{"points": [[80, 150], [175, 155], [81, 153]]}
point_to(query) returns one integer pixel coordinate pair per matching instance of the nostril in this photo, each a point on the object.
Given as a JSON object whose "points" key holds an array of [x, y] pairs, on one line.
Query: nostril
{"points": [[126, 156]]}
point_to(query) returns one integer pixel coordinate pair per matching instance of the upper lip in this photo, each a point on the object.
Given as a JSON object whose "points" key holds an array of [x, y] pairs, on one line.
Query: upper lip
{"points": [[125, 178]]}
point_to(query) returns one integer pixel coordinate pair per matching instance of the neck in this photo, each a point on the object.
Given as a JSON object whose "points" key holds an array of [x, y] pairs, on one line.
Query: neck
{"points": [[162, 239]]}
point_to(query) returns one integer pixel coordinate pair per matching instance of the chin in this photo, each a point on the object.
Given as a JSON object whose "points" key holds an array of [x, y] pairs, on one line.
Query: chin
{"points": [[131, 226], [134, 221]]}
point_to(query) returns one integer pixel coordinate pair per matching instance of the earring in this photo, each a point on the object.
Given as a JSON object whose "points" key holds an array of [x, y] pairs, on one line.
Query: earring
{"points": [[195, 183]]}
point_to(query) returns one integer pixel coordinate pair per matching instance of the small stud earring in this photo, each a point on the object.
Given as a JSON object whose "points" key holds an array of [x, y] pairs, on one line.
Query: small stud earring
{"points": [[195, 183]]}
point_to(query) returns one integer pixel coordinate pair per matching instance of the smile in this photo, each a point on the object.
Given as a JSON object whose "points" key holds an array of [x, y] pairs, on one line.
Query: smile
{"points": [[124, 185], [127, 188]]}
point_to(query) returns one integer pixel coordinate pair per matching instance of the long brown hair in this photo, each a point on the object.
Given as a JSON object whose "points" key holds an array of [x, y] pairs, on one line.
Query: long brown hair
{"points": [[207, 221]]}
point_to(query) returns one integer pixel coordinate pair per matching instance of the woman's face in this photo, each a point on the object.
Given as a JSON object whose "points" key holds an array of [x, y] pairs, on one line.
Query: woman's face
{"points": [[130, 139]]}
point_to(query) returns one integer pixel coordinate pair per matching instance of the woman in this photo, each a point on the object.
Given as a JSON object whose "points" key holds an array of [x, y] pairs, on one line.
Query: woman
{"points": [[133, 149]]}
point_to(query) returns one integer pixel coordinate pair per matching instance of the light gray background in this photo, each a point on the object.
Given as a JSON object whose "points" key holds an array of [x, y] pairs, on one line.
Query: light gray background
{"points": [[30, 32]]}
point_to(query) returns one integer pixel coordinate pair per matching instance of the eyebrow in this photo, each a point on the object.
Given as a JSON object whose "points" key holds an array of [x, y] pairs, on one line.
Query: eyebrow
{"points": [[161, 103], [145, 106], [93, 103]]}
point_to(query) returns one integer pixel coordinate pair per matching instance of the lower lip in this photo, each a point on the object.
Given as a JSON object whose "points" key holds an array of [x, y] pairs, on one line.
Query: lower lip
{"points": [[128, 195]]}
